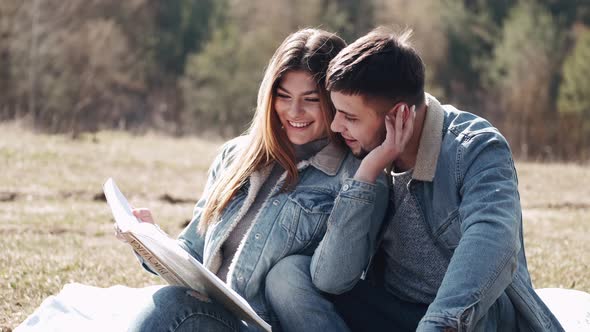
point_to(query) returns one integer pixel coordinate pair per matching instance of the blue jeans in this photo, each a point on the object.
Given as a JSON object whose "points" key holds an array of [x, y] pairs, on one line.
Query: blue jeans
{"points": [[300, 306], [176, 308], [371, 308]]}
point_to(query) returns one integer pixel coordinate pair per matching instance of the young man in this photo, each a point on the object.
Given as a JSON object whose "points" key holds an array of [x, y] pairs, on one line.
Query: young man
{"points": [[450, 253]]}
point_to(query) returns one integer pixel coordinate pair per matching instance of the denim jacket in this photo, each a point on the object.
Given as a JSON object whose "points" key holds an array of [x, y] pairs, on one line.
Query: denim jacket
{"points": [[465, 184], [325, 200]]}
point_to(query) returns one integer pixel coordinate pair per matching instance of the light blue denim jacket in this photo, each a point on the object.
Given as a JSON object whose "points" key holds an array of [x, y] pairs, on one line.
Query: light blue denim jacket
{"points": [[326, 202], [466, 186]]}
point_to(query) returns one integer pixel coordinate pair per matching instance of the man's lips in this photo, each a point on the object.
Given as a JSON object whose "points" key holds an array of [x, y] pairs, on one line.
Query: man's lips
{"points": [[349, 140]]}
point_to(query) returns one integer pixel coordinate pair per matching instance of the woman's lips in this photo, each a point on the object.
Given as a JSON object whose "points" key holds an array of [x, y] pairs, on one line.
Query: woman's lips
{"points": [[299, 124]]}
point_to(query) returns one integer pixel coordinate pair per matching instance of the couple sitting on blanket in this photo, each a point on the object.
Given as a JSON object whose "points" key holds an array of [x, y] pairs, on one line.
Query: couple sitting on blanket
{"points": [[356, 201]]}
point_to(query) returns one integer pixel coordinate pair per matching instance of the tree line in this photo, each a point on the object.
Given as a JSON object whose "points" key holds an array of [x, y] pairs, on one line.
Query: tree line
{"points": [[194, 66]]}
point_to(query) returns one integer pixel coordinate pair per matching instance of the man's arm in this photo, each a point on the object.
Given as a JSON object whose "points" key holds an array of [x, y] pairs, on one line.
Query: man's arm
{"points": [[349, 242], [484, 262]]}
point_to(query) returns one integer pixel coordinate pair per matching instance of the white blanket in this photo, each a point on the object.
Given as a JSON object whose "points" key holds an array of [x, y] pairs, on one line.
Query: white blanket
{"points": [[571, 307], [80, 307]]}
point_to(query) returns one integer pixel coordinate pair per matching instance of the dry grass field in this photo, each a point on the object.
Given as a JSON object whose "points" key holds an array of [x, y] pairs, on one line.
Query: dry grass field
{"points": [[54, 229]]}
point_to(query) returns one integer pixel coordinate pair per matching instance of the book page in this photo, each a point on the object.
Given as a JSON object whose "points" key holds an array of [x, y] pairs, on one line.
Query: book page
{"points": [[120, 207]]}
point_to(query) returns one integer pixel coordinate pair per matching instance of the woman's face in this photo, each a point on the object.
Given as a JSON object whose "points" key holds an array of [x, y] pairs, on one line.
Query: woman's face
{"points": [[297, 104]]}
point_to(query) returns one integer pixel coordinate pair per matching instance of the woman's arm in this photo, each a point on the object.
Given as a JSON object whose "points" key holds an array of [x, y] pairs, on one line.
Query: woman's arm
{"points": [[190, 239]]}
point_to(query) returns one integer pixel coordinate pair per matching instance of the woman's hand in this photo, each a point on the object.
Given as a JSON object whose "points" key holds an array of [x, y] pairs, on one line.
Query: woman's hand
{"points": [[142, 214], [399, 125]]}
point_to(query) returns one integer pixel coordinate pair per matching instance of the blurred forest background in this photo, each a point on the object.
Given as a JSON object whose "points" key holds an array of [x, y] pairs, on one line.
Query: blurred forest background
{"points": [[188, 67]]}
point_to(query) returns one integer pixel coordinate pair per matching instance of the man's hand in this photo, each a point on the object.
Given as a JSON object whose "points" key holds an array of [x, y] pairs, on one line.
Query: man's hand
{"points": [[399, 124]]}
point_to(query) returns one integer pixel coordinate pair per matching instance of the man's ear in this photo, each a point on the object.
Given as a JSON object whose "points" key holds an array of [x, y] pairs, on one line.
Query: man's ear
{"points": [[399, 107]]}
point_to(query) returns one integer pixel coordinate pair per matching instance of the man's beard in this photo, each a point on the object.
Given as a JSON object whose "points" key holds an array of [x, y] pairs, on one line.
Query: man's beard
{"points": [[364, 152], [361, 154]]}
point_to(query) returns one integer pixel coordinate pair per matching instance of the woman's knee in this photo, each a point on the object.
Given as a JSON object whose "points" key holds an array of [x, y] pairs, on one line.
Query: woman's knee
{"points": [[288, 277], [175, 308]]}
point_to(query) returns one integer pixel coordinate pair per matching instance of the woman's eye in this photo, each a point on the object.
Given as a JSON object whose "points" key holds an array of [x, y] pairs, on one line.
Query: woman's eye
{"points": [[349, 119], [313, 100], [282, 96]]}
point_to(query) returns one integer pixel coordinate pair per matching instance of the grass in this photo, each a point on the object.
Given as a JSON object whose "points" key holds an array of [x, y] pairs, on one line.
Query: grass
{"points": [[53, 230]]}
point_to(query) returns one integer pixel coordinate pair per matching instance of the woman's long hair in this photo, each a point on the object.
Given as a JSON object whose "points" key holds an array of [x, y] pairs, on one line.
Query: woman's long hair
{"points": [[308, 50]]}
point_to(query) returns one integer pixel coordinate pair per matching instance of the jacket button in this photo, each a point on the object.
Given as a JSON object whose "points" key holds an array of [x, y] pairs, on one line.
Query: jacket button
{"points": [[275, 202], [345, 187], [240, 278], [257, 236]]}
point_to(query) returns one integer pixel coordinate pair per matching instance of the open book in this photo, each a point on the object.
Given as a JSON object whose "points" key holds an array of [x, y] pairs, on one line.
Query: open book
{"points": [[164, 256]]}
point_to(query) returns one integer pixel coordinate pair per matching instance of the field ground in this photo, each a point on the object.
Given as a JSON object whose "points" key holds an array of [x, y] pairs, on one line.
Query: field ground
{"points": [[54, 230]]}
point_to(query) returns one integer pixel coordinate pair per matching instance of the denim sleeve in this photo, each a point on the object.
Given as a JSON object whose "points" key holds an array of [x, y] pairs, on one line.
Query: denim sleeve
{"points": [[350, 238], [143, 263], [484, 262]]}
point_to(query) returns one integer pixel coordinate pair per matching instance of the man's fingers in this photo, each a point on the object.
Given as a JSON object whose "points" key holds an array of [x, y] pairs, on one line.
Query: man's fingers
{"points": [[399, 123], [409, 126], [389, 127]]}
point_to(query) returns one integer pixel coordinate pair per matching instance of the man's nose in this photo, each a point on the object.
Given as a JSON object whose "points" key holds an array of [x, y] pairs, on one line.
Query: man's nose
{"points": [[336, 125]]}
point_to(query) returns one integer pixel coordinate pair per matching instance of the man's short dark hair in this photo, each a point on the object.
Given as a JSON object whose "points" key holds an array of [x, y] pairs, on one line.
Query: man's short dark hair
{"points": [[381, 65]]}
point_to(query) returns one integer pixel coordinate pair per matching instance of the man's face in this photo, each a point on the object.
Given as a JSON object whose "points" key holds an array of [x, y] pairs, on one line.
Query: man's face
{"points": [[362, 128]]}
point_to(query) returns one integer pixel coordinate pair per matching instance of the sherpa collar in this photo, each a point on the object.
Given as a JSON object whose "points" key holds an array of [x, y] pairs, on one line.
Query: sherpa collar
{"points": [[329, 159], [430, 141]]}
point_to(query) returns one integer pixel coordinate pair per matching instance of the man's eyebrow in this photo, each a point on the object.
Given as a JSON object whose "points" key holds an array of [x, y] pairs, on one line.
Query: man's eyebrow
{"points": [[346, 113], [306, 93]]}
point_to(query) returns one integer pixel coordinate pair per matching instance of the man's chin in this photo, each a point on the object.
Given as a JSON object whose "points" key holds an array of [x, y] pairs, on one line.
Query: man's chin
{"points": [[360, 153]]}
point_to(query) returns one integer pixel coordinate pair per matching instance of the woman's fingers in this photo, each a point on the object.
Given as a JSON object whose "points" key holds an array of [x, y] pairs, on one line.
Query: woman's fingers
{"points": [[143, 214], [118, 233]]}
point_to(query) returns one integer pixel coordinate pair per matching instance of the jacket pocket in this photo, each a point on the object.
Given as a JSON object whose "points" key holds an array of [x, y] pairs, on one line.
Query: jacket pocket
{"points": [[449, 233], [309, 212]]}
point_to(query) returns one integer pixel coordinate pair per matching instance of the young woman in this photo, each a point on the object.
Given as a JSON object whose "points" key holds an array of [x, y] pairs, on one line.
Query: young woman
{"points": [[284, 188]]}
